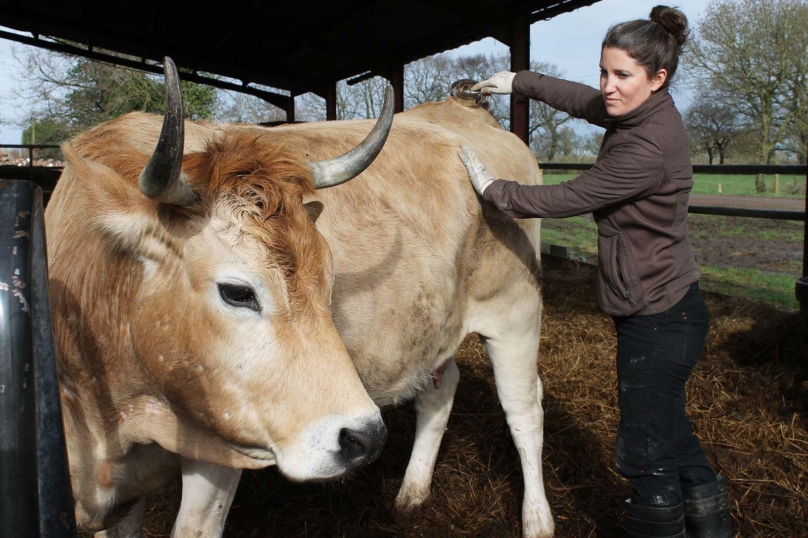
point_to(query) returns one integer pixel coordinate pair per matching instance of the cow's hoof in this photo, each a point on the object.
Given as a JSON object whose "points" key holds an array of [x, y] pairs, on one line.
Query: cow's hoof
{"points": [[540, 527], [408, 515]]}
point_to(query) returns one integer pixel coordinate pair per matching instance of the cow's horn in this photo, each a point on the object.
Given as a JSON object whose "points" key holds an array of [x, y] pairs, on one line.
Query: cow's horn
{"points": [[346, 167], [161, 180]]}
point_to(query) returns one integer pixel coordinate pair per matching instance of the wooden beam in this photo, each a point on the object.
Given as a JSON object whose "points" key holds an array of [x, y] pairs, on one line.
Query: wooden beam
{"points": [[290, 109], [564, 6], [397, 80], [520, 60], [240, 67], [481, 18], [331, 101], [317, 38], [276, 99]]}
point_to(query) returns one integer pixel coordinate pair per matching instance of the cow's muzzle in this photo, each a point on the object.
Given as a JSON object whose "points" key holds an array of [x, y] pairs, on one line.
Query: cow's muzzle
{"points": [[360, 447]]}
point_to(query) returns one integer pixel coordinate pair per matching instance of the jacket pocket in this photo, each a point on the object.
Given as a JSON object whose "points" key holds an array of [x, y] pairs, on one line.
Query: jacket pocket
{"points": [[621, 291]]}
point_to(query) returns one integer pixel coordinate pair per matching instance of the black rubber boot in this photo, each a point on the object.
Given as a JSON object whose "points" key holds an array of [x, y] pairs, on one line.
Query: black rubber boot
{"points": [[707, 510], [650, 522]]}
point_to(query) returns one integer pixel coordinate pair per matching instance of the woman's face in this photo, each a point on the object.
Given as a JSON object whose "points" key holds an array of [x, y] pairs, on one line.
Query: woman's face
{"points": [[624, 83]]}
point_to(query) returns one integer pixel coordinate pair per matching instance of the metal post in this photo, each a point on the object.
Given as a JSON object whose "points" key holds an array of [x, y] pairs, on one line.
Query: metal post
{"points": [[805, 229], [56, 505], [19, 517], [331, 101], [397, 81], [520, 60], [34, 478], [802, 283]]}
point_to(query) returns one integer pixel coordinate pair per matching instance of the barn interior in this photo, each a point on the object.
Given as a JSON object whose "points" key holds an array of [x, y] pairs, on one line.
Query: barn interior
{"points": [[748, 396], [278, 50]]}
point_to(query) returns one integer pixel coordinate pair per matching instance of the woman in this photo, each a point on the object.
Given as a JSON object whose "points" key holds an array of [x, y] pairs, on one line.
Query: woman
{"points": [[648, 279]]}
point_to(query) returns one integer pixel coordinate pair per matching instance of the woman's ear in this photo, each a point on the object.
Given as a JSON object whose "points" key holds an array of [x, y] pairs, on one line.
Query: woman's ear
{"points": [[659, 79]]}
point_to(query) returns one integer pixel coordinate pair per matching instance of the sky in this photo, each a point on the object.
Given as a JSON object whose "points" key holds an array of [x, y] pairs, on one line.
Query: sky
{"points": [[570, 41]]}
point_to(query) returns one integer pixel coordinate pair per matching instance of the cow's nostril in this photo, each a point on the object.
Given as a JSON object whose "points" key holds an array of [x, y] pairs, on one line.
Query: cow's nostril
{"points": [[360, 447], [352, 444]]}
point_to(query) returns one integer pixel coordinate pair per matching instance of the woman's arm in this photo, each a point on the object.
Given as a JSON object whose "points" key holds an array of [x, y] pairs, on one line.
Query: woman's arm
{"points": [[577, 100], [629, 171]]}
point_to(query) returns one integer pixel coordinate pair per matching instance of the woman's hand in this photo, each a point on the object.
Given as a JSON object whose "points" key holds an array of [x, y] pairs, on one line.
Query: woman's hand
{"points": [[478, 175], [501, 82]]}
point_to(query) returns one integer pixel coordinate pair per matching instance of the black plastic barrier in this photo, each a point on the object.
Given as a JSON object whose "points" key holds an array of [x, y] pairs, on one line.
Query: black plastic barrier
{"points": [[35, 494]]}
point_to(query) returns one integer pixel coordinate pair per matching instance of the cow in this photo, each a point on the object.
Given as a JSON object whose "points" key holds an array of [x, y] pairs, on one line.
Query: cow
{"points": [[420, 261], [191, 297]]}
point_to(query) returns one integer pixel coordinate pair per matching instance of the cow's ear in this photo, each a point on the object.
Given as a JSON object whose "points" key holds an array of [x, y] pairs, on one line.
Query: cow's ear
{"points": [[118, 211], [314, 209]]}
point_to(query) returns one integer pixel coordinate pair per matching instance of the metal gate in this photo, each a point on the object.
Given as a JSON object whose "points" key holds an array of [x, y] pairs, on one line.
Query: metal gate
{"points": [[34, 479]]}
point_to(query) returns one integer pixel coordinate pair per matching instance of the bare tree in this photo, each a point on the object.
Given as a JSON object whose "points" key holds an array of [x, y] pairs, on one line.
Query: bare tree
{"points": [[82, 93], [712, 126], [361, 100], [428, 80], [369, 97], [751, 54], [544, 129], [593, 142], [235, 107], [795, 101]]}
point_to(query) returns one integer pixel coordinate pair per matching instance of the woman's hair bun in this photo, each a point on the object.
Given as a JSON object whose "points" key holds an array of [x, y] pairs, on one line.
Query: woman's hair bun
{"points": [[673, 21]]}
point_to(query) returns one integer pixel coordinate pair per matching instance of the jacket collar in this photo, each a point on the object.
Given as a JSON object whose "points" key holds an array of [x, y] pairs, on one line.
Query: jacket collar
{"points": [[659, 100]]}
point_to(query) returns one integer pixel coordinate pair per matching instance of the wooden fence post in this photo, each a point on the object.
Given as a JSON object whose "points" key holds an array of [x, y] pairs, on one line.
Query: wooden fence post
{"points": [[760, 184]]}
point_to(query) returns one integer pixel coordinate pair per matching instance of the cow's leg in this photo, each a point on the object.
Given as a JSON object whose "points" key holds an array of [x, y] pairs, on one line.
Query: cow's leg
{"points": [[129, 526], [432, 408], [511, 338], [207, 493]]}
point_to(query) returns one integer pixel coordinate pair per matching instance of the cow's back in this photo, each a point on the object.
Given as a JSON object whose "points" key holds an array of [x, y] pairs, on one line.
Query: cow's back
{"points": [[414, 248]]}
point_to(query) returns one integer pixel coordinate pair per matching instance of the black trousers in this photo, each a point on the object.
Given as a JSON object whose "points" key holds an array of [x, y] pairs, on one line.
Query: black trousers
{"points": [[656, 449]]}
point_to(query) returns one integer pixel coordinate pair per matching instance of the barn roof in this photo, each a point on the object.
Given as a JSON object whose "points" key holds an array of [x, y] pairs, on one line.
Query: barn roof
{"points": [[294, 46]]}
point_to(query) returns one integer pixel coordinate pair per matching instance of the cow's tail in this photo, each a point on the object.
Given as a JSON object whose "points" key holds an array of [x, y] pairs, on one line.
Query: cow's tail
{"points": [[532, 227]]}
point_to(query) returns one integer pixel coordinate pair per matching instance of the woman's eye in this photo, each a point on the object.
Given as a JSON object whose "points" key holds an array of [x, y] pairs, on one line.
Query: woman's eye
{"points": [[239, 296]]}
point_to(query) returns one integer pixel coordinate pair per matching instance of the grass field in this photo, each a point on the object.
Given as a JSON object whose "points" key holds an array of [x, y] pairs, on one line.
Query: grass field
{"points": [[737, 184], [773, 285], [752, 258]]}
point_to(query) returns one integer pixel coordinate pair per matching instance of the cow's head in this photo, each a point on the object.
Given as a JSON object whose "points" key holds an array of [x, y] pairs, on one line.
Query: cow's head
{"points": [[231, 316]]}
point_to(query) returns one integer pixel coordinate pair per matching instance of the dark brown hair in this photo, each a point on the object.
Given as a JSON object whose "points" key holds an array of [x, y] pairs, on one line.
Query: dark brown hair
{"points": [[656, 43]]}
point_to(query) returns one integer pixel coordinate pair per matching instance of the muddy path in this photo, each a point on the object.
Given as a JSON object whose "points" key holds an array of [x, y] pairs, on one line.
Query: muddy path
{"points": [[751, 202]]}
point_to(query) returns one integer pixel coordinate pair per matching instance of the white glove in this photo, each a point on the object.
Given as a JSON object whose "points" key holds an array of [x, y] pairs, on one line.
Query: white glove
{"points": [[478, 175], [501, 82]]}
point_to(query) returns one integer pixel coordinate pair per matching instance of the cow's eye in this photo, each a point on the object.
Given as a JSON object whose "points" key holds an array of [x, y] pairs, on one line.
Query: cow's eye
{"points": [[239, 296]]}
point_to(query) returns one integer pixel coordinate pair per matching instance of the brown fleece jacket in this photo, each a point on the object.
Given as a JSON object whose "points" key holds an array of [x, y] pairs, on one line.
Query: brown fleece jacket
{"points": [[637, 192]]}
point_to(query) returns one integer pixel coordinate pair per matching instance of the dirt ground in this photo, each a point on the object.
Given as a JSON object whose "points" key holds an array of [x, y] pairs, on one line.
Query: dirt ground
{"points": [[753, 202], [764, 246], [748, 399]]}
